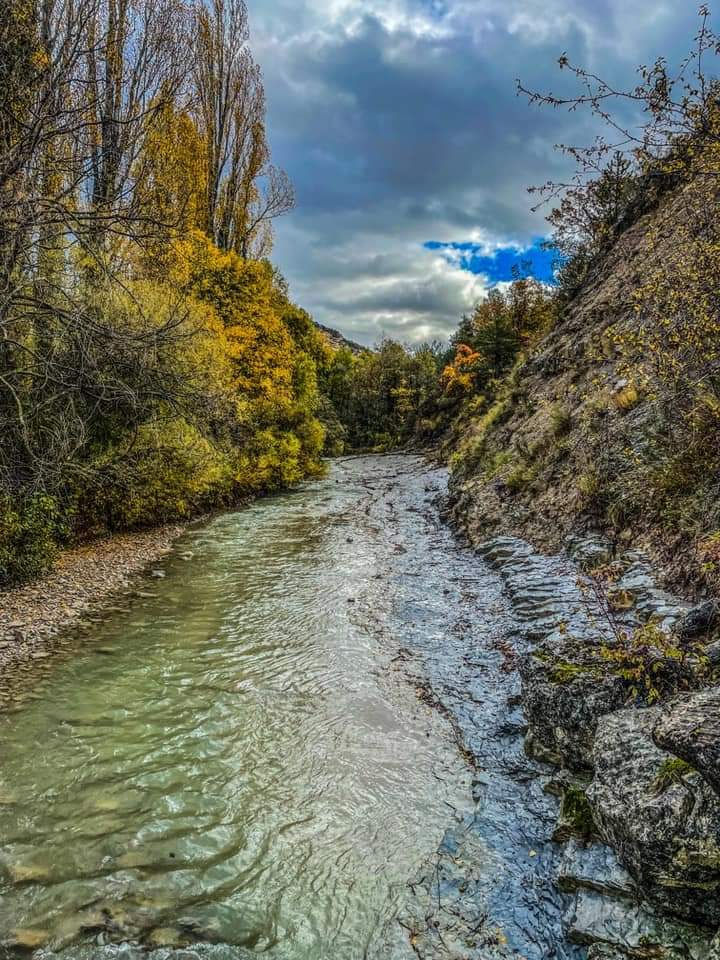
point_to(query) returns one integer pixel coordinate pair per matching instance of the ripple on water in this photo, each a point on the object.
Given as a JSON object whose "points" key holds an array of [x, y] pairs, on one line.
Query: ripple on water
{"points": [[238, 771]]}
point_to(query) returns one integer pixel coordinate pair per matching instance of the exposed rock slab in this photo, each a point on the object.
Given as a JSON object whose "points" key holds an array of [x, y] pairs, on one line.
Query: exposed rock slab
{"points": [[634, 930], [689, 727], [544, 590], [650, 602], [594, 866], [664, 827]]}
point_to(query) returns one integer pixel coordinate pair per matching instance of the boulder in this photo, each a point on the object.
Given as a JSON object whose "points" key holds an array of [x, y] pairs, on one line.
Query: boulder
{"points": [[689, 727], [699, 621], [661, 817], [712, 653], [566, 689]]}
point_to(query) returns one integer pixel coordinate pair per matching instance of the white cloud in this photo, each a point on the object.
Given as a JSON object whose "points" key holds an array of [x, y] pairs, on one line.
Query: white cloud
{"points": [[404, 291], [399, 123]]}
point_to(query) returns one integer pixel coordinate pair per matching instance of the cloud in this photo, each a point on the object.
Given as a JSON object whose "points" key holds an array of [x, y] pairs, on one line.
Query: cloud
{"points": [[406, 291], [399, 124]]}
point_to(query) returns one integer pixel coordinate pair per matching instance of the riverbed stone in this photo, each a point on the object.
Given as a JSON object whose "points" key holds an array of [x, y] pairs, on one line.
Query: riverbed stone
{"points": [[664, 823], [689, 728], [633, 930], [594, 866]]}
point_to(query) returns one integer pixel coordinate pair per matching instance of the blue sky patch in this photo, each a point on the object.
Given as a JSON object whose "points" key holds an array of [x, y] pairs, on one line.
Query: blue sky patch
{"points": [[498, 266]]}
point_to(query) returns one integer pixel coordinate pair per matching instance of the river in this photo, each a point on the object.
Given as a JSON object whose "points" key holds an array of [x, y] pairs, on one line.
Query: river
{"points": [[300, 741]]}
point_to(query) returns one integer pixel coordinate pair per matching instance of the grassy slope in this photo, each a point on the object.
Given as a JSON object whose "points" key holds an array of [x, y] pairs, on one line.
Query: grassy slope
{"points": [[554, 455]]}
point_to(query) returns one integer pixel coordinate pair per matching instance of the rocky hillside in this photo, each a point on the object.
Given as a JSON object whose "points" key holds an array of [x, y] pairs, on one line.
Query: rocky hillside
{"points": [[610, 424], [338, 341], [601, 450]]}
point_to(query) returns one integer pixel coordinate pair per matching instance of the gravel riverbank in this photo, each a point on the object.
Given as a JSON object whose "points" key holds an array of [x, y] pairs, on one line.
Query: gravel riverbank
{"points": [[83, 579]]}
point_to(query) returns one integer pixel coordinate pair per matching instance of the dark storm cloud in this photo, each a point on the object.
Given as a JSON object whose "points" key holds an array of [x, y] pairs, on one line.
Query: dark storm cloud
{"points": [[399, 124]]}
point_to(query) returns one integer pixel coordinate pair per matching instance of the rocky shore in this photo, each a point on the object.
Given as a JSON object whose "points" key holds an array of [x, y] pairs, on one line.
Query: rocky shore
{"points": [[621, 695], [83, 580]]}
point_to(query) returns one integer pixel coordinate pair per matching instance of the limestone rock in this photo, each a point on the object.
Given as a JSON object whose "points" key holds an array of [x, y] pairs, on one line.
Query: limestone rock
{"points": [[632, 930], [663, 823], [699, 621], [651, 602], [590, 552], [715, 949], [689, 727], [594, 866], [565, 691]]}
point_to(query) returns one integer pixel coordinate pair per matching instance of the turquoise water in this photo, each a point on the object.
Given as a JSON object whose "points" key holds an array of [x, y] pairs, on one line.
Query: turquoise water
{"points": [[234, 764]]}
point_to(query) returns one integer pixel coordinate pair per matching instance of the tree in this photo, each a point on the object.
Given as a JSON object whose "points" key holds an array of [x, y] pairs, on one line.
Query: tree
{"points": [[496, 337], [460, 377], [674, 134], [244, 191], [136, 59], [170, 183]]}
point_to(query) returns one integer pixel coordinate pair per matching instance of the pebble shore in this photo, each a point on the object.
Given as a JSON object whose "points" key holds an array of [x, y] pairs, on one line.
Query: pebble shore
{"points": [[82, 580]]}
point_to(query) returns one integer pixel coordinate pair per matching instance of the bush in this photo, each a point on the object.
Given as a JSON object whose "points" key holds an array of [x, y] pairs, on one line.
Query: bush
{"points": [[561, 421], [169, 473], [29, 534], [521, 477]]}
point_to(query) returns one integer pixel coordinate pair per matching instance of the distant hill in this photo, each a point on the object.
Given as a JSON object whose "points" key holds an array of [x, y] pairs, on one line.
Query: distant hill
{"points": [[337, 340]]}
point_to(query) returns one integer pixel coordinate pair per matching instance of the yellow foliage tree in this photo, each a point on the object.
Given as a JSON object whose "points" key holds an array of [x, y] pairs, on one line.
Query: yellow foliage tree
{"points": [[459, 378]]}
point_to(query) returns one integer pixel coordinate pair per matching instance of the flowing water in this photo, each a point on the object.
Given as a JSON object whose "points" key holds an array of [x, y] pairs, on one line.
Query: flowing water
{"points": [[236, 764]]}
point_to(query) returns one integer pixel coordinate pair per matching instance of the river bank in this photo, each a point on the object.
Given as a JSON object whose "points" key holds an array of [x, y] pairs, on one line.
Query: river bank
{"points": [[82, 583], [329, 728]]}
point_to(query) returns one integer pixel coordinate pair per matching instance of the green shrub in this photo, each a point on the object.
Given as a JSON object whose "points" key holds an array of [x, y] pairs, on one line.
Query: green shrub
{"points": [[496, 463], [29, 534], [577, 812], [561, 420], [169, 473], [649, 660], [521, 476]]}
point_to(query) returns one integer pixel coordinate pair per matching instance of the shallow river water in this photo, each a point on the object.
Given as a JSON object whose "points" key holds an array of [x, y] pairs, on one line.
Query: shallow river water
{"points": [[234, 763]]}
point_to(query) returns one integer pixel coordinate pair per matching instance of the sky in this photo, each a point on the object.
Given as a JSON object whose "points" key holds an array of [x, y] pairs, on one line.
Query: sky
{"points": [[411, 153]]}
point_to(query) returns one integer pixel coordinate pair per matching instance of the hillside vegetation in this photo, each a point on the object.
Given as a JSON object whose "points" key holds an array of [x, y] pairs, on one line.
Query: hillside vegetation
{"points": [[152, 364], [611, 420]]}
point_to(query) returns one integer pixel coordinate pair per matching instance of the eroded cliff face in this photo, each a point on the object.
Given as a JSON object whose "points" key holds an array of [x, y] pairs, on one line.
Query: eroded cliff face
{"points": [[590, 484], [635, 765], [569, 445]]}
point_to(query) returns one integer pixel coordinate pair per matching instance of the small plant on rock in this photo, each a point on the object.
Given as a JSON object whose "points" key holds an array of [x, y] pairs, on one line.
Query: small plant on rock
{"points": [[649, 660], [673, 770]]}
